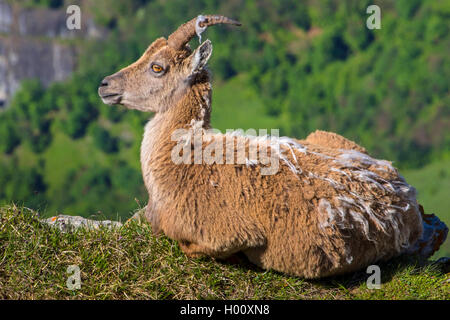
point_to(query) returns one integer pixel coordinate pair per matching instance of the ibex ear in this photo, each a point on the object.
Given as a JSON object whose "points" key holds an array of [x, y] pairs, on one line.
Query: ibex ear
{"points": [[201, 56]]}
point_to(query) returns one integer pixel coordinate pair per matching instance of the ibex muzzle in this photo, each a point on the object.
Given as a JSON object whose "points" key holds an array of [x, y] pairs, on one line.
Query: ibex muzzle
{"points": [[111, 88]]}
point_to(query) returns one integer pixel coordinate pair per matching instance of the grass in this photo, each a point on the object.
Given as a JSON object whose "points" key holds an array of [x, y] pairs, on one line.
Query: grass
{"points": [[129, 263]]}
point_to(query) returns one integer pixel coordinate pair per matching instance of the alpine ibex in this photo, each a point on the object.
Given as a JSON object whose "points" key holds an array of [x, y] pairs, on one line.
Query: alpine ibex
{"points": [[330, 208]]}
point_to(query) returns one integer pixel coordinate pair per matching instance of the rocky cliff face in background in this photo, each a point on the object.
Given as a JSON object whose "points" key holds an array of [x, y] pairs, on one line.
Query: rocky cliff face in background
{"points": [[35, 43]]}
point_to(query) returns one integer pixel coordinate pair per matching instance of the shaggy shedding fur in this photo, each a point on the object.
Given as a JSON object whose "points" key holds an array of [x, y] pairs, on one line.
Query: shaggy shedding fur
{"points": [[329, 209]]}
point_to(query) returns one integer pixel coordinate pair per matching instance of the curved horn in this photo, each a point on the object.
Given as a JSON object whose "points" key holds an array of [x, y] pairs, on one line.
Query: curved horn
{"points": [[178, 39]]}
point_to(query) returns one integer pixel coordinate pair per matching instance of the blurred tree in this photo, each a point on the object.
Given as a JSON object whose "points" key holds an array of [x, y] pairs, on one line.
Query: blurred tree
{"points": [[103, 139]]}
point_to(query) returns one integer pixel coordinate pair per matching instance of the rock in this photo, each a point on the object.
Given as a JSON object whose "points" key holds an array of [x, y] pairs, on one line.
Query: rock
{"points": [[6, 17], [51, 23], [444, 264], [31, 45], [434, 234], [67, 223], [28, 58]]}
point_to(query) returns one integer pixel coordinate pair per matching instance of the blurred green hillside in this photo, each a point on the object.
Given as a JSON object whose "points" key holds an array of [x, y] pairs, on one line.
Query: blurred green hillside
{"points": [[293, 65]]}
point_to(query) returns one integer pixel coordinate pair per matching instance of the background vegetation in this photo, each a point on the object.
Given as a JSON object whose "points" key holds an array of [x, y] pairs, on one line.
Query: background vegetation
{"points": [[294, 65]]}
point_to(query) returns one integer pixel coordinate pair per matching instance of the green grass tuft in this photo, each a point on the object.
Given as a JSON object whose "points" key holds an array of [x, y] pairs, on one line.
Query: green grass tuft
{"points": [[130, 263]]}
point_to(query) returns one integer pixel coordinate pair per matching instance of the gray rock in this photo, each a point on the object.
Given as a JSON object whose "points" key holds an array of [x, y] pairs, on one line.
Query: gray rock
{"points": [[28, 59], [31, 46], [51, 23], [6, 17], [67, 223]]}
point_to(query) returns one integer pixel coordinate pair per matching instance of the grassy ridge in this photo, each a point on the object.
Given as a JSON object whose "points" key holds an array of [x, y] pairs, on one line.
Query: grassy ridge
{"points": [[129, 263]]}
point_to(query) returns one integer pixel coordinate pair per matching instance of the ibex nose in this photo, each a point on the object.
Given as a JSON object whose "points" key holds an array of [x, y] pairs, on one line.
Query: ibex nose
{"points": [[104, 82], [110, 90]]}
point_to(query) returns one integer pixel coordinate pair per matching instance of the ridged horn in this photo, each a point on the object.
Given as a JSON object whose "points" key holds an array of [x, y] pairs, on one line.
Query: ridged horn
{"points": [[178, 39]]}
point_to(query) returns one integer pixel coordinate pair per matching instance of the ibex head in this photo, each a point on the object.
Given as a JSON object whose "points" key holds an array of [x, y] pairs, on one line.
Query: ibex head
{"points": [[165, 70]]}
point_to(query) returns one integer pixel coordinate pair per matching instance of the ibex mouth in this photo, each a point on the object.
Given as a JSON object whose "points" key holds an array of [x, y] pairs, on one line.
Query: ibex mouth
{"points": [[109, 97], [113, 98]]}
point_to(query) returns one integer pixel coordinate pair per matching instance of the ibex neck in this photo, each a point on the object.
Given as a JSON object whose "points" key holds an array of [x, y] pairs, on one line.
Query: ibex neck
{"points": [[193, 108], [195, 105]]}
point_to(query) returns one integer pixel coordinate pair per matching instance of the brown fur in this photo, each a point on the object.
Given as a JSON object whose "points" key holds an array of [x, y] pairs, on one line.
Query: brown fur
{"points": [[333, 140], [337, 211]]}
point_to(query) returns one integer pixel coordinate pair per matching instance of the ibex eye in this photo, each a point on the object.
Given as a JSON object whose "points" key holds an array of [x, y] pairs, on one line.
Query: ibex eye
{"points": [[157, 68]]}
